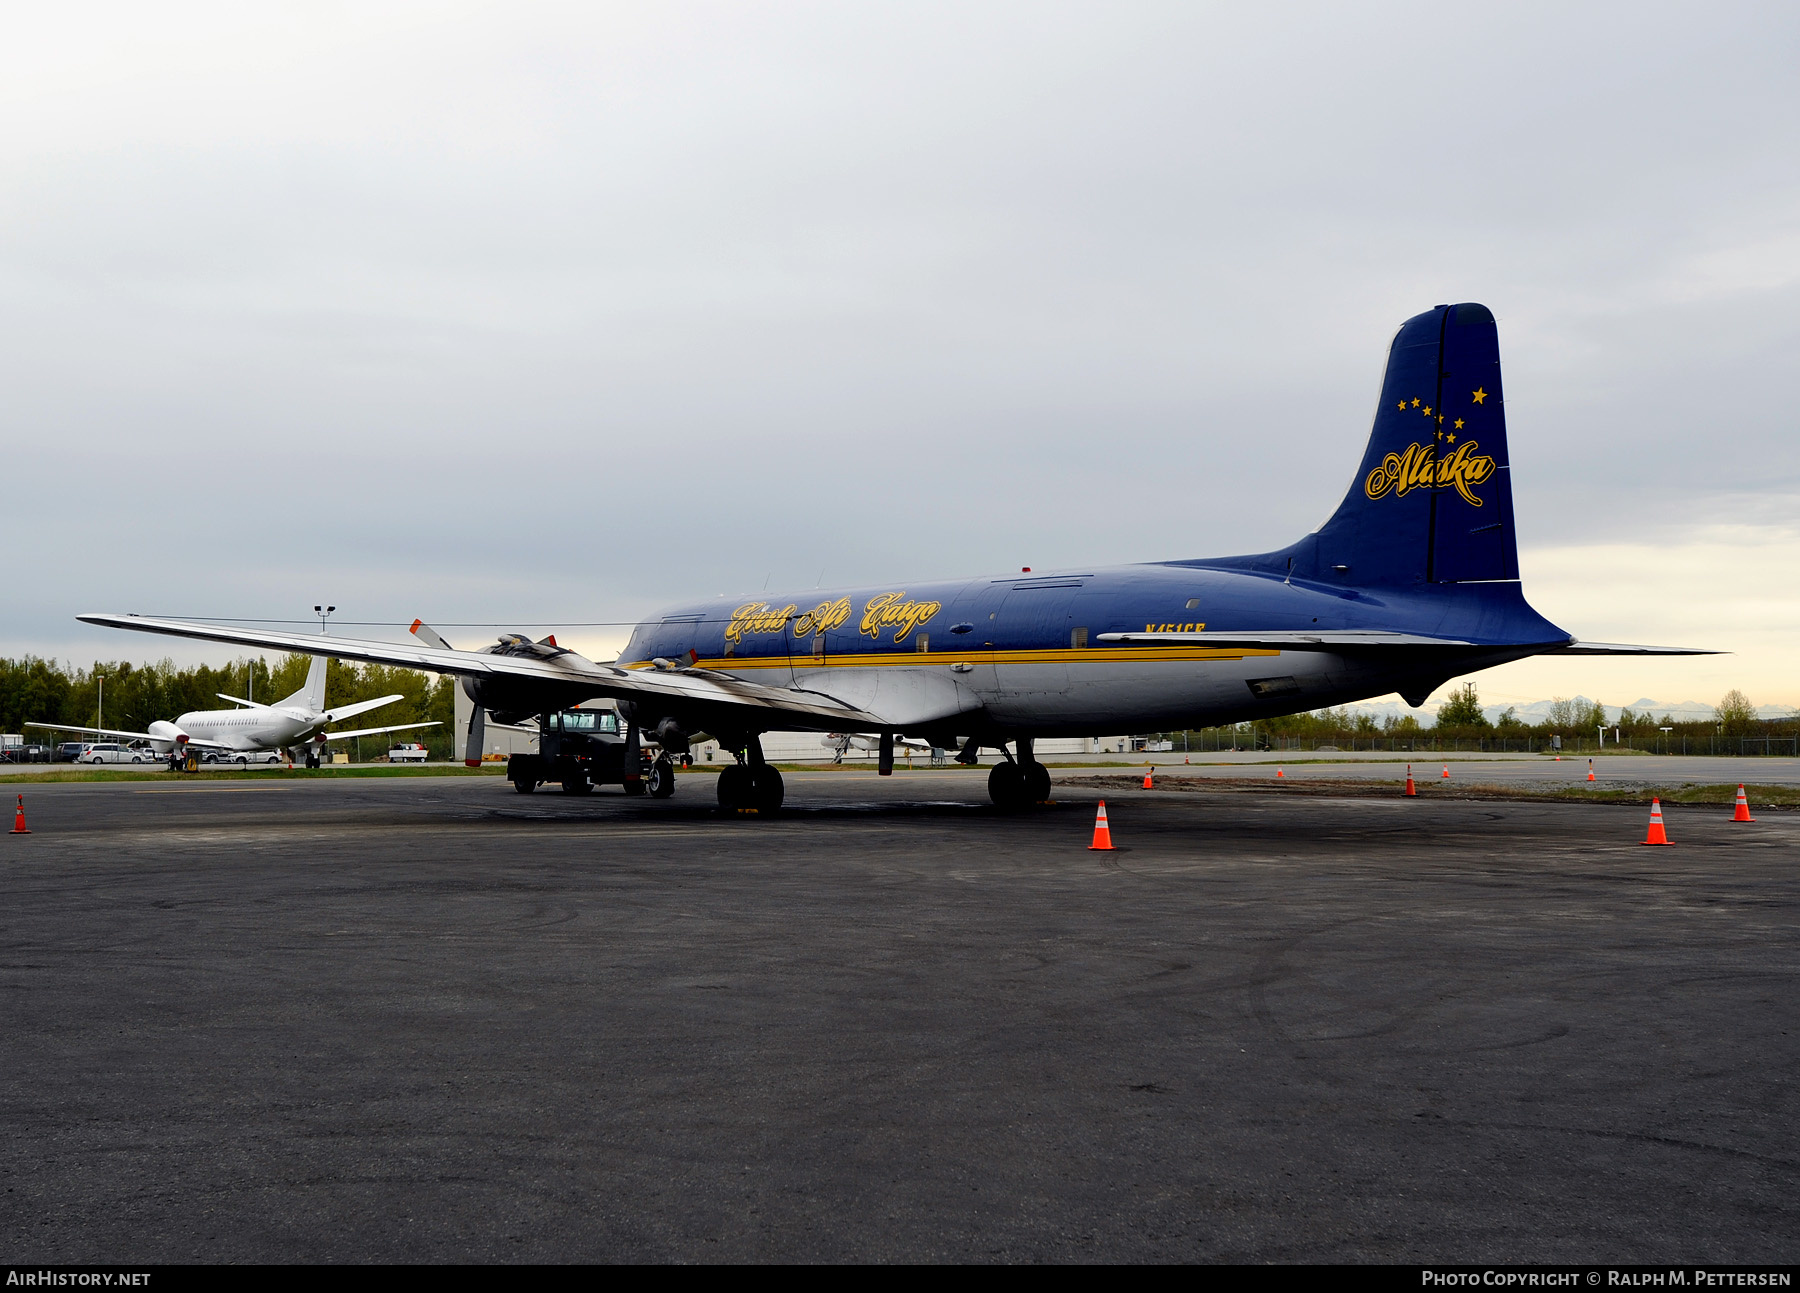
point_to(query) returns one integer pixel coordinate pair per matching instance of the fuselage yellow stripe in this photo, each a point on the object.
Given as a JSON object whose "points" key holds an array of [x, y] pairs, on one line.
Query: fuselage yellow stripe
{"points": [[944, 659]]}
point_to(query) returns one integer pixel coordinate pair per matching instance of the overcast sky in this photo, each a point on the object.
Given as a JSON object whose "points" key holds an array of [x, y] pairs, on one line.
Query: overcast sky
{"points": [[549, 315]]}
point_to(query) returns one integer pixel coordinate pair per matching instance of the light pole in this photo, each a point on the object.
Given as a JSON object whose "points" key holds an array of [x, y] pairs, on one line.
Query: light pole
{"points": [[323, 612], [1665, 731], [101, 720]]}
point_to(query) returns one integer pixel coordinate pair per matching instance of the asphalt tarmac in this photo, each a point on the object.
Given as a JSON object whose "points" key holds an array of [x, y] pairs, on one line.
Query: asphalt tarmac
{"points": [[431, 1020]]}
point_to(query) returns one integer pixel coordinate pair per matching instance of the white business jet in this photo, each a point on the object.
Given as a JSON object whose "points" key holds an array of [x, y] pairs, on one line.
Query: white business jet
{"points": [[253, 732], [844, 742]]}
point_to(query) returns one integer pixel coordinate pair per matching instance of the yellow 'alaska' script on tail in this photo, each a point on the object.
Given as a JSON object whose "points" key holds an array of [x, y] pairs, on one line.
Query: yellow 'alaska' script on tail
{"points": [[1420, 467]]}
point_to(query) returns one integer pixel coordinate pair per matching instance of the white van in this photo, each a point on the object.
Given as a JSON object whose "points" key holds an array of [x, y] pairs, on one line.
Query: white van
{"points": [[113, 752]]}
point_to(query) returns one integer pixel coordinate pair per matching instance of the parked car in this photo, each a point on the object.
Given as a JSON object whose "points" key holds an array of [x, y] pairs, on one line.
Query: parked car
{"points": [[113, 752], [407, 752], [69, 751], [26, 754]]}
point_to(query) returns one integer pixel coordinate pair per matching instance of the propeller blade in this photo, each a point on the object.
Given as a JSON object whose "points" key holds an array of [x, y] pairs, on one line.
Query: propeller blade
{"points": [[477, 737], [429, 636]]}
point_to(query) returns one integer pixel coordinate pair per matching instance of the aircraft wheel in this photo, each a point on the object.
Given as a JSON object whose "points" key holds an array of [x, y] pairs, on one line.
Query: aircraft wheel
{"points": [[1006, 785], [662, 779], [1037, 782], [766, 789], [734, 787]]}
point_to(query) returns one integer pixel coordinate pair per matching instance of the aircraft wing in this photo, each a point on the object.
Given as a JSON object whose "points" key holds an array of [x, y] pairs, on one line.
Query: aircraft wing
{"points": [[763, 705], [376, 731], [134, 736], [239, 700]]}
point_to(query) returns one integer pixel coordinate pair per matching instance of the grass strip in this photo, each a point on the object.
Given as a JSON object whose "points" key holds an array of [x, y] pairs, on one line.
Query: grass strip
{"points": [[1760, 796], [245, 774]]}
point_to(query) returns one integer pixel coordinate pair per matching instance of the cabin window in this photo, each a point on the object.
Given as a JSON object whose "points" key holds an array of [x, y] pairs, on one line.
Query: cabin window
{"points": [[1193, 603], [1078, 639], [924, 641]]}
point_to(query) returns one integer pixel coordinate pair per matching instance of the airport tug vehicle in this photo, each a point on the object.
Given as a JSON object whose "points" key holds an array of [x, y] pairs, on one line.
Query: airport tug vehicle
{"points": [[583, 748]]}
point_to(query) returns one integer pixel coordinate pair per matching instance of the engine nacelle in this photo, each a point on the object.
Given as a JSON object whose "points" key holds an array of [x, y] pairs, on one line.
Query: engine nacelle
{"points": [[671, 737], [512, 700], [165, 736]]}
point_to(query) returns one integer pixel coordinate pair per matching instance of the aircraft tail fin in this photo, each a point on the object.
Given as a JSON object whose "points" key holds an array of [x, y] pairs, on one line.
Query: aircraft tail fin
{"points": [[1432, 501], [312, 695]]}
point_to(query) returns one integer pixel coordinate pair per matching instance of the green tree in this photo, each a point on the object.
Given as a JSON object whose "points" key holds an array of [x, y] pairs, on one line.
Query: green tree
{"points": [[1736, 715], [1462, 709]]}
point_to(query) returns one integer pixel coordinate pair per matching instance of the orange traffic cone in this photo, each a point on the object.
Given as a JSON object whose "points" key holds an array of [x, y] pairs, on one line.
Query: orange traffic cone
{"points": [[1446, 776], [1147, 785], [19, 826], [1590, 769], [1102, 832], [1410, 792], [1280, 773], [1185, 759], [1656, 835], [1743, 807]]}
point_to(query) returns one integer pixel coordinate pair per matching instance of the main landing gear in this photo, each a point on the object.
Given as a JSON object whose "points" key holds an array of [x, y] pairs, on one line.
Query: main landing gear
{"points": [[1019, 783], [750, 785]]}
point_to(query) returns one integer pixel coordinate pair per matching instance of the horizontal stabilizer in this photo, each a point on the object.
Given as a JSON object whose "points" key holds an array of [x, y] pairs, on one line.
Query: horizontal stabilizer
{"points": [[239, 700], [1626, 648], [1291, 640], [342, 712], [377, 731]]}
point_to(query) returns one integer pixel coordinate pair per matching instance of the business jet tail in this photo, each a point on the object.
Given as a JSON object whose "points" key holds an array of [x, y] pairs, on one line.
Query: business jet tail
{"points": [[312, 695]]}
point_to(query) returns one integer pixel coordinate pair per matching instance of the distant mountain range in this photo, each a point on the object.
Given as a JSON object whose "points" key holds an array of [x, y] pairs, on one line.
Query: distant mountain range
{"points": [[1538, 711]]}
